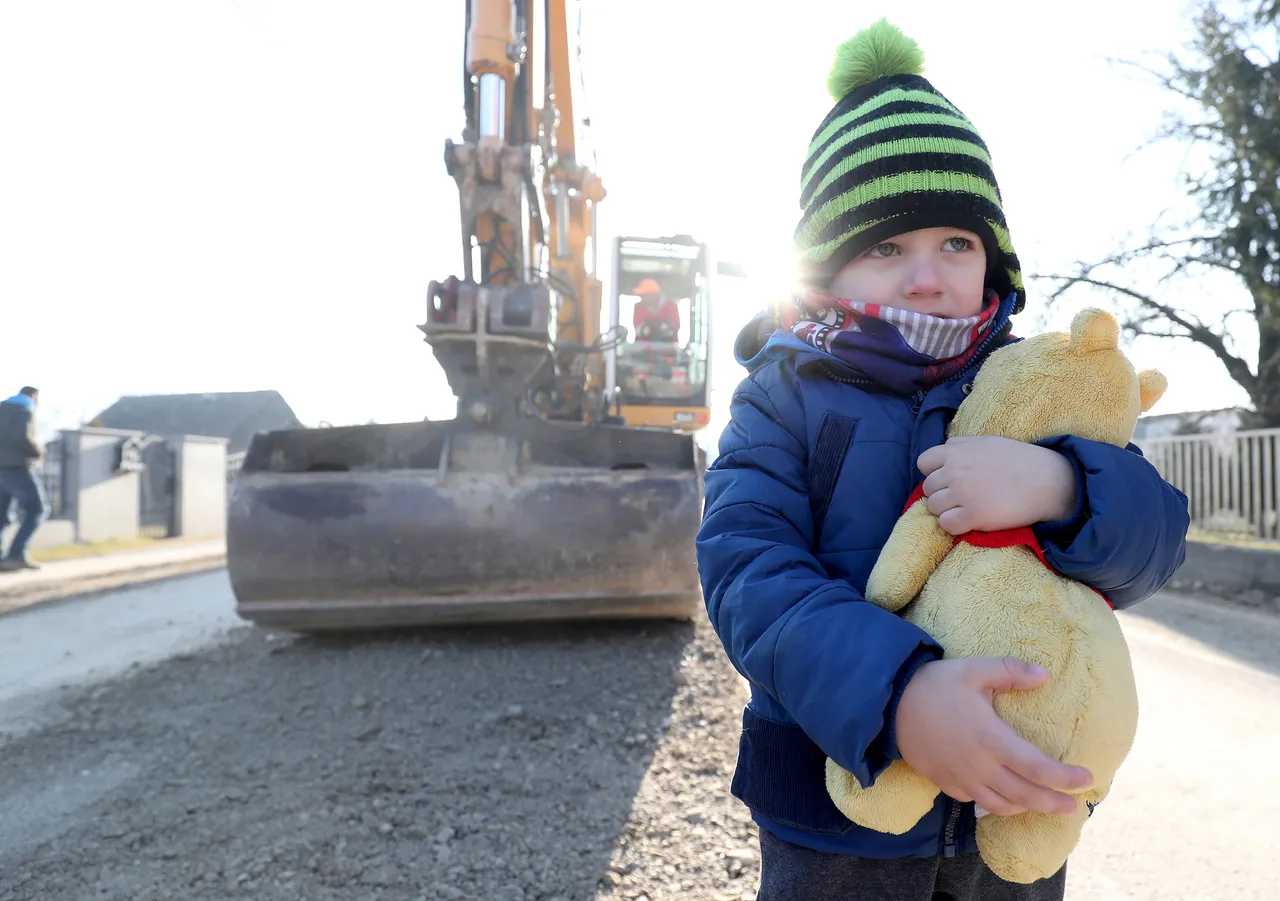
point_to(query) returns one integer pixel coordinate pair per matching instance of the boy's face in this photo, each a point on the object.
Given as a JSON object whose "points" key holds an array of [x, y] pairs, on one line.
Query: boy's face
{"points": [[937, 271]]}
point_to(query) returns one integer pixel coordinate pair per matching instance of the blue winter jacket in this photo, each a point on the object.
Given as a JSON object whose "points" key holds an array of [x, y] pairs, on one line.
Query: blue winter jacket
{"points": [[812, 474]]}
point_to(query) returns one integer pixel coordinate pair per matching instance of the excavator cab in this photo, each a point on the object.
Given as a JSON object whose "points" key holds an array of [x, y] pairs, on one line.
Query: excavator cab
{"points": [[658, 367]]}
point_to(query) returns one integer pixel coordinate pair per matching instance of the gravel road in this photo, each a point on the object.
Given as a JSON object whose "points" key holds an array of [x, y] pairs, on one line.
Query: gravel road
{"points": [[534, 763], [527, 764]]}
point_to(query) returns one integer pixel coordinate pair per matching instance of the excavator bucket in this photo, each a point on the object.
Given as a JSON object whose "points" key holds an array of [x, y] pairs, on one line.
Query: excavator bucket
{"points": [[417, 524], [502, 514]]}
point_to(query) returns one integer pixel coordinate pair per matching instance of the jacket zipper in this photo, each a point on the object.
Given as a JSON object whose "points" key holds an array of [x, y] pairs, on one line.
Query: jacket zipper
{"points": [[831, 374], [973, 364], [952, 807], [977, 357], [949, 834]]}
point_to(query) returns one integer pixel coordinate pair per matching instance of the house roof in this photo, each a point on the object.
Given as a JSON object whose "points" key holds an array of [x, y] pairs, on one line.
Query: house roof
{"points": [[231, 415], [1189, 414]]}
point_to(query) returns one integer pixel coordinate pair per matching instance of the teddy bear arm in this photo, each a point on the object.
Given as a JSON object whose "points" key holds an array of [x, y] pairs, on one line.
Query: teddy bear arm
{"points": [[914, 550]]}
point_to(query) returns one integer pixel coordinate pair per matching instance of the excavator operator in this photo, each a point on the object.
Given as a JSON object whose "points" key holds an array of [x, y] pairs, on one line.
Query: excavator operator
{"points": [[657, 319]]}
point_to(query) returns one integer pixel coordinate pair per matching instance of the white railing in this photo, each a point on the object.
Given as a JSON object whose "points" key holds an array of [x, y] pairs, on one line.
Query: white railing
{"points": [[1229, 480]]}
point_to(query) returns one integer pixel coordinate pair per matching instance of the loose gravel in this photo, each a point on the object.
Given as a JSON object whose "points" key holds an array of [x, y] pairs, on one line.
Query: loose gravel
{"points": [[529, 763]]}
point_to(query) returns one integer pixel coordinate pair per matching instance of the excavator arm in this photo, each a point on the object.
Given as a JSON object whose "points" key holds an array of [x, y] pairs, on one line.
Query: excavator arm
{"points": [[575, 191], [528, 204]]}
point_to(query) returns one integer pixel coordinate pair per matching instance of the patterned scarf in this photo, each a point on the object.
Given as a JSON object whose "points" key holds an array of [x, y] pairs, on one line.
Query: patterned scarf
{"points": [[899, 350]]}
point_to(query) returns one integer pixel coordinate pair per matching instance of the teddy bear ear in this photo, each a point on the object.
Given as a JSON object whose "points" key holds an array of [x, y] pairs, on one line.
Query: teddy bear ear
{"points": [[1151, 387], [1093, 329]]}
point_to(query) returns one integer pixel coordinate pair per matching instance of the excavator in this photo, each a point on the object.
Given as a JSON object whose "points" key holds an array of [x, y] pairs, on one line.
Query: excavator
{"points": [[569, 484]]}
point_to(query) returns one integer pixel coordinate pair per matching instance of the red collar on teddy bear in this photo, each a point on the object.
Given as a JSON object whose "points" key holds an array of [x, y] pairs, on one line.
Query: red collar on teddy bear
{"points": [[1023, 537]]}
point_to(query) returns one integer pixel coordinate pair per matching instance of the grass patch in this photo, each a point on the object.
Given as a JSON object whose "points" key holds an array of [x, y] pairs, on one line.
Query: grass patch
{"points": [[94, 548], [1205, 538]]}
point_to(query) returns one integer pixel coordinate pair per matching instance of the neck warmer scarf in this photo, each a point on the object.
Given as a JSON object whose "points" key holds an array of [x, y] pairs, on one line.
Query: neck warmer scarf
{"points": [[897, 349]]}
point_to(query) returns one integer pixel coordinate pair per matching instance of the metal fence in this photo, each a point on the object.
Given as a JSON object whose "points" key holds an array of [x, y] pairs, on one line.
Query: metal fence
{"points": [[51, 468], [1229, 480]]}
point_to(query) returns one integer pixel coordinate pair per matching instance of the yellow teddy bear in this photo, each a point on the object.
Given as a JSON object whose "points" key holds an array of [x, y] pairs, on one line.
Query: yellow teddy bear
{"points": [[992, 595]]}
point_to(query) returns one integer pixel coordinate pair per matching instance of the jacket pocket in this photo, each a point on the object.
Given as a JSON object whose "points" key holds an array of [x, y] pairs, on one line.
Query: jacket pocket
{"points": [[781, 774], [835, 437]]}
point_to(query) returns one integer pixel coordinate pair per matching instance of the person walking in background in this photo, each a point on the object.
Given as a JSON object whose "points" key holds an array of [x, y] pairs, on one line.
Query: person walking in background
{"points": [[20, 451]]}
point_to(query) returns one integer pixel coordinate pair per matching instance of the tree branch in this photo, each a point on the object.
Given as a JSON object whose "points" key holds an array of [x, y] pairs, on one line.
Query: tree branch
{"points": [[1166, 81], [1139, 330], [1227, 316], [1159, 249], [1195, 330], [1181, 265]]}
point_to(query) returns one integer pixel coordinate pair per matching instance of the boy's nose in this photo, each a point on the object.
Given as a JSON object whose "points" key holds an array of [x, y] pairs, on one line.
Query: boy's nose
{"points": [[924, 279]]}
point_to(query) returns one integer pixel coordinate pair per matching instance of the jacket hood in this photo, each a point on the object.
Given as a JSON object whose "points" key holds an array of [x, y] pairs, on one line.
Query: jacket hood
{"points": [[22, 401]]}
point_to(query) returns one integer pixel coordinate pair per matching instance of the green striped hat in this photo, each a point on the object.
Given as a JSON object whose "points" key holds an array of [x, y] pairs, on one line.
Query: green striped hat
{"points": [[893, 156]]}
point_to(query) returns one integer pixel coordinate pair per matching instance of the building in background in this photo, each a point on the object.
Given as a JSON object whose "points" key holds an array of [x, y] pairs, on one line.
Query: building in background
{"points": [[235, 416], [1203, 422]]}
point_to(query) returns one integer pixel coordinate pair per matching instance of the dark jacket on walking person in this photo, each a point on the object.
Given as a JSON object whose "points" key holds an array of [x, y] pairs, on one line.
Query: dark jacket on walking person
{"points": [[19, 445]]}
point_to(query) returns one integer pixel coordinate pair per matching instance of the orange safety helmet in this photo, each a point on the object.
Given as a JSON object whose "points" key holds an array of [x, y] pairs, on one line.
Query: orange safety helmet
{"points": [[646, 287]]}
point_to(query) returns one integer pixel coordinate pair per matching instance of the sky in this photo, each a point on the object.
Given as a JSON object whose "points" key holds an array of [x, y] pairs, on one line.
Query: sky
{"points": [[251, 194]]}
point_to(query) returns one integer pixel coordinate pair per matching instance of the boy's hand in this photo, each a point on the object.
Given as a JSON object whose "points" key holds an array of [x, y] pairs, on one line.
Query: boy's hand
{"points": [[949, 733], [991, 484]]}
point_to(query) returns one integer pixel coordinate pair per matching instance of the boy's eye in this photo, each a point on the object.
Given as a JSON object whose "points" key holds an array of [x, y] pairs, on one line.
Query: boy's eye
{"points": [[958, 244], [886, 249]]}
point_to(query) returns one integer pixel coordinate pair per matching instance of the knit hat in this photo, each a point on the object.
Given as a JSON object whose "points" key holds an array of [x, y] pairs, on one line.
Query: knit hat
{"points": [[893, 156]]}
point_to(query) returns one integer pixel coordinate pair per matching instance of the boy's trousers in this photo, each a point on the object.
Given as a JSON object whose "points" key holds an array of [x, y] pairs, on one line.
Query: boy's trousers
{"points": [[791, 873]]}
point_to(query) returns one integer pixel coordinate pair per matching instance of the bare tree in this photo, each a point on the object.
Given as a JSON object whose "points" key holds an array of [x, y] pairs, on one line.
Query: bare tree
{"points": [[1231, 88]]}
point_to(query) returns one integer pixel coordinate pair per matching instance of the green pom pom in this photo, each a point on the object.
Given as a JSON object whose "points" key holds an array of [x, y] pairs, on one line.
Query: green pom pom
{"points": [[875, 52]]}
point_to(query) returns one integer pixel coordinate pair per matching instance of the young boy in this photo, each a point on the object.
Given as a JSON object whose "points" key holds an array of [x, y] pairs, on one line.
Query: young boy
{"points": [[912, 279]]}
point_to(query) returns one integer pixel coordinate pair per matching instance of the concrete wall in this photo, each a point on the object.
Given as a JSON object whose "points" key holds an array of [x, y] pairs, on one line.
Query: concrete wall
{"points": [[103, 503], [1210, 422], [100, 504], [201, 486]]}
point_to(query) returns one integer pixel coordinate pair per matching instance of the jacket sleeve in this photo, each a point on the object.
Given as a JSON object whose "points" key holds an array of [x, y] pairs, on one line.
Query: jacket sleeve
{"points": [[1128, 533], [834, 661], [30, 439]]}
